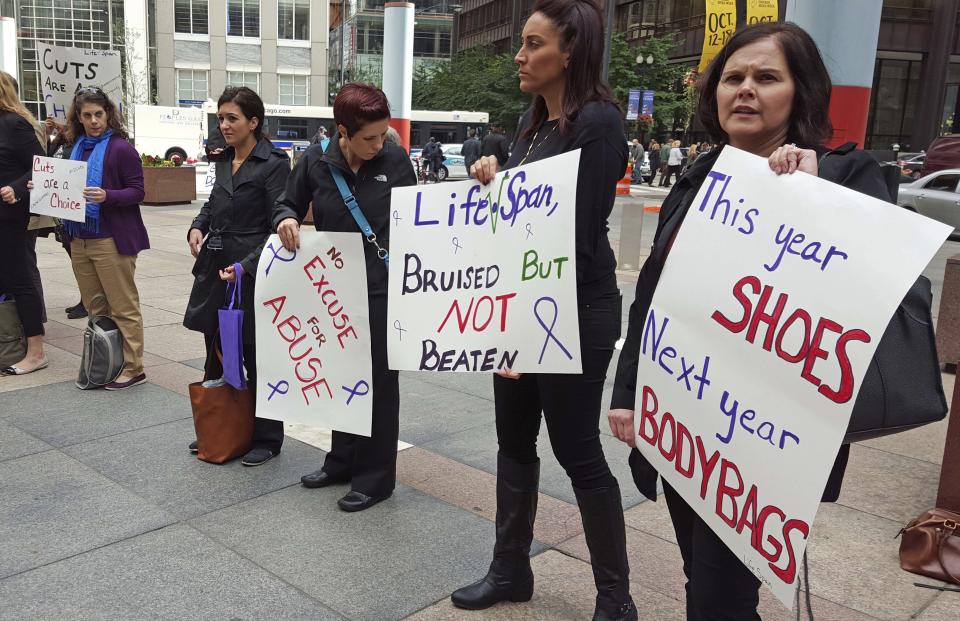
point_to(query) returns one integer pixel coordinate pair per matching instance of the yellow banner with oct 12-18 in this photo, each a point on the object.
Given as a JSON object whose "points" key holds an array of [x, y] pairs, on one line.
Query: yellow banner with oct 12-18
{"points": [[759, 11], [721, 22]]}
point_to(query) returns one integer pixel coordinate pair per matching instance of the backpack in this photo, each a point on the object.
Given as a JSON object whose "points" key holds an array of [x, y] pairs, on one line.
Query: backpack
{"points": [[102, 358]]}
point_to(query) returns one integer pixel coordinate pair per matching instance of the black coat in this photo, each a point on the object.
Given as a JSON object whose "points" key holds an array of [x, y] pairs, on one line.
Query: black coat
{"points": [[845, 166], [18, 145], [495, 144], [470, 152], [238, 212], [371, 186]]}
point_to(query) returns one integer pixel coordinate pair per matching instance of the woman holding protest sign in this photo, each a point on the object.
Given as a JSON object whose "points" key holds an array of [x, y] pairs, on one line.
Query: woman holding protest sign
{"points": [[559, 64], [370, 168], [104, 248], [767, 92], [20, 140], [230, 229]]}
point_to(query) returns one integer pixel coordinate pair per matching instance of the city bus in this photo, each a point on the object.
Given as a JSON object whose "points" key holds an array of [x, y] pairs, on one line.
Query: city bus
{"points": [[290, 127]]}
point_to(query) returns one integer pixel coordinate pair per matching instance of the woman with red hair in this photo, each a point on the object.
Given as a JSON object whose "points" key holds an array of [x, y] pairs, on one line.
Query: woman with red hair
{"points": [[371, 168]]}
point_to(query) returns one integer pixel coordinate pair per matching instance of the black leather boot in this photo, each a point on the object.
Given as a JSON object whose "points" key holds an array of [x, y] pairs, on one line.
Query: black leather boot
{"points": [[510, 577], [602, 515]]}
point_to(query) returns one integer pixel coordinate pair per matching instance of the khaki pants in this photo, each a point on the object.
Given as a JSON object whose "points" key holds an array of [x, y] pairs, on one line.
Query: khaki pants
{"points": [[107, 287]]}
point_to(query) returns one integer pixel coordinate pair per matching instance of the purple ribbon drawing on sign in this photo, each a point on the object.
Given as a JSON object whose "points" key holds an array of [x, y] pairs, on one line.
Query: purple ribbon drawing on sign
{"points": [[276, 255], [282, 387], [549, 330], [355, 391]]}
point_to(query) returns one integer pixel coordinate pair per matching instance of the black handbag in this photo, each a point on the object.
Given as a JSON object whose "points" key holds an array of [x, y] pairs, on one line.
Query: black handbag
{"points": [[902, 388]]}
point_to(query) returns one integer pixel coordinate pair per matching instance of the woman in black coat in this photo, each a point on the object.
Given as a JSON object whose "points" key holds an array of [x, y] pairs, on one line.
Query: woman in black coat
{"points": [[767, 92], [251, 174], [20, 140]]}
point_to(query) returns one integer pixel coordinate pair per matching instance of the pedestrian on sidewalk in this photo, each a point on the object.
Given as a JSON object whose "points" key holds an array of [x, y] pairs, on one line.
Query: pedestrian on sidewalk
{"points": [[470, 150], [20, 139], [559, 64], [674, 163], [664, 162], [104, 249], [495, 143], [654, 152], [371, 169], [773, 102], [236, 221]]}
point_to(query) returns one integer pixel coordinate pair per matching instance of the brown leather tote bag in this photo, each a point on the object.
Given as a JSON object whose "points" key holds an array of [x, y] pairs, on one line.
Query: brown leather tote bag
{"points": [[222, 417], [930, 545]]}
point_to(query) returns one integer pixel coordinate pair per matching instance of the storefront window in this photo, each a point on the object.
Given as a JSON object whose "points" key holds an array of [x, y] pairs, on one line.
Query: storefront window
{"points": [[892, 104]]}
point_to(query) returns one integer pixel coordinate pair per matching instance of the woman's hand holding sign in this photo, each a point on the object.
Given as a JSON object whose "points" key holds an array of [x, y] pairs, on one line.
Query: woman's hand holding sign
{"points": [[790, 158], [485, 169], [95, 195], [289, 232]]}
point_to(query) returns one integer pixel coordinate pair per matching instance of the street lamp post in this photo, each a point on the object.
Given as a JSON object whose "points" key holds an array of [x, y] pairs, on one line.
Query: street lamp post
{"points": [[642, 64]]}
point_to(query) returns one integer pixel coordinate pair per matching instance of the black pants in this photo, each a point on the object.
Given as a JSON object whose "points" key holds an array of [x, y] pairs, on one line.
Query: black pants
{"points": [[371, 463], [671, 172], [15, 276], [719, 586], [35, 271], [570, 403], [267, 433]]}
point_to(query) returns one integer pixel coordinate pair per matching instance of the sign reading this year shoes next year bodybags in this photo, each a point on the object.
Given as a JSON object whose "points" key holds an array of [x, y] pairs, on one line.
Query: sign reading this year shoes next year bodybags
{"points": [[484, 277], [772, 301]]}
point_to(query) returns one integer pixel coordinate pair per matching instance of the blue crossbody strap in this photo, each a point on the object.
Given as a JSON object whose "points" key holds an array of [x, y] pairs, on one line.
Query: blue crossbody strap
{"points": [[354, 208]]}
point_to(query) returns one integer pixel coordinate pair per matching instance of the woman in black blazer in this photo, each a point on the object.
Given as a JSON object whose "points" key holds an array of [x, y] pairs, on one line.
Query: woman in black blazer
{"points": [[20, 139]]}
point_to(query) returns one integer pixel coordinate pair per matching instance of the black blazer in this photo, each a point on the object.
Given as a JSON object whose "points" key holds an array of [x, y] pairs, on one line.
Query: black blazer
{"points": [[371, 186], [238, 213], [845, 166], [18, 145]]}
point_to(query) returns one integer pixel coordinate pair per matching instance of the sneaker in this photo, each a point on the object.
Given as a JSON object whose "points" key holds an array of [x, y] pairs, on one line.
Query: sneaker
{"points": [[130, 383], [77, 312], [257, 457]]}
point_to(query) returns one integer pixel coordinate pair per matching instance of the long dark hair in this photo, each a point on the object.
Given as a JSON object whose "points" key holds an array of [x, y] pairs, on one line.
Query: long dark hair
{"points": [[249, 103], [580, 23], [810, 123], [95, 96]]}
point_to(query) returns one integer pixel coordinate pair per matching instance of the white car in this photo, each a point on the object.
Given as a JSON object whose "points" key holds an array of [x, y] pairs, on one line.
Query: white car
{"points": [[934, 196], [453, 165]]}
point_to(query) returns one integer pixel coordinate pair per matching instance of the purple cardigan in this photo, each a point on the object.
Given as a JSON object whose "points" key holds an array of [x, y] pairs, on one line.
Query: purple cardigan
{"points": [[123, 181]]}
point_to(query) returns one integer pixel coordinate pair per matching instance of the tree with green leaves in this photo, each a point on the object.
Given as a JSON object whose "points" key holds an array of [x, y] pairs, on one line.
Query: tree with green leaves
{"points": [[674, 98], [475, 79]]}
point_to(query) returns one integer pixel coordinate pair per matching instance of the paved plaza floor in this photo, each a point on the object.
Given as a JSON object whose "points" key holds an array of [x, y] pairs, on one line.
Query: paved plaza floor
{"points": [[105, 515]]}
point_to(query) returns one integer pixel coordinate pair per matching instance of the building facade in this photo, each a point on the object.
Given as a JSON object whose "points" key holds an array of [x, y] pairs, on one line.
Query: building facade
{"points": [[356, 41], [276, 47], [96, 24], [916, 85]]}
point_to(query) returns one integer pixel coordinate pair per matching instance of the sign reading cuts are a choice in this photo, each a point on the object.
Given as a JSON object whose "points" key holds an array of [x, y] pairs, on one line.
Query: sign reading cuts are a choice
{"points": [[745, 388], [313, 333], [58, 188], [483, 277]]}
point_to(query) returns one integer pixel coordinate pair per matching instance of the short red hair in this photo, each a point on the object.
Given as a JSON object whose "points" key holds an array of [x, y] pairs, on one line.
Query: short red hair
{"points": [[357, 104]]}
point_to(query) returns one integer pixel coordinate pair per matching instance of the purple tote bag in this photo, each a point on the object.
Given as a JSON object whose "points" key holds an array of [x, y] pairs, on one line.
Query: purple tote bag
{"points": [[231, 335]]}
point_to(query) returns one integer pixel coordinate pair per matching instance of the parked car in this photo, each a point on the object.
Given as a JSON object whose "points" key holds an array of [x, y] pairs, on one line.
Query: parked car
{"points": [[943, 153], [935, 196]]}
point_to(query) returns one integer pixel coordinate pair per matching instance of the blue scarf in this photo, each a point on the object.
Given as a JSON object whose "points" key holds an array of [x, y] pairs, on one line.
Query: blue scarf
{"points": [[94, 180]]}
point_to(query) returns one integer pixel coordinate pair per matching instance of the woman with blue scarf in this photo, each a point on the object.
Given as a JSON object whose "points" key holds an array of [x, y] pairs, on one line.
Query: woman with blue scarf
{"points": [[104, 248]]}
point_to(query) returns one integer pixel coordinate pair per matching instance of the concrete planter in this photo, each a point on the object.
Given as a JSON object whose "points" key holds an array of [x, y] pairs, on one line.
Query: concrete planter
{"points": [[167, 186]]}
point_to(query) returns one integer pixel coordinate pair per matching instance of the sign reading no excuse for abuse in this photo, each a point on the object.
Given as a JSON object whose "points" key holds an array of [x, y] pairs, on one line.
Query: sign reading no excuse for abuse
{"points": [[58, 188], [483, 278], [313, 333], [769, 310]]}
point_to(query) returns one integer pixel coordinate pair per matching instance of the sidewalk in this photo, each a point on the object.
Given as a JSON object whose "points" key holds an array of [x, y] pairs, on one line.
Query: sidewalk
{"points": [[105, 514]]}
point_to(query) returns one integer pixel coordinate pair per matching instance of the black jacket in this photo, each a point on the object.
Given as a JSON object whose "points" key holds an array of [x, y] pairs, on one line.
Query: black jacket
{"points": [[18, 145], [845, 166], [371, 186], [239, 212], [495, 144], [470, 151]]}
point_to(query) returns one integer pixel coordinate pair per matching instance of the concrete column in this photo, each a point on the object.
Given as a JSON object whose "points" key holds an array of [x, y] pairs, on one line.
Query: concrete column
{"points": [[8, 47], [217, 17], [268, 52], [846, 33], [398, 65], [319, 80], [136, 52], [166, 74], [933, 74]]}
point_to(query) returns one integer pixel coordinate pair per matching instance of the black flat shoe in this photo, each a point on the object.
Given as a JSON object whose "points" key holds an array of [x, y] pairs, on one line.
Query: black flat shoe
{"points": [[257, 457], [193, 447], [77, 312], [356, 501], [319, 478]]}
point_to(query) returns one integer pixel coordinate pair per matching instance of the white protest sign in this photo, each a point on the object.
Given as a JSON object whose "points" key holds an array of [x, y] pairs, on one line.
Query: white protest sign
{"points": [[313, 333], [64, 70], [58, 188], [769, 309], [484, 277]]}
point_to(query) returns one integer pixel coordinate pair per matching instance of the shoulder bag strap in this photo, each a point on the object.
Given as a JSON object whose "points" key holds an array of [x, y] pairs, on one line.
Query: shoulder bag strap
{"points": [[354, 208]]}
